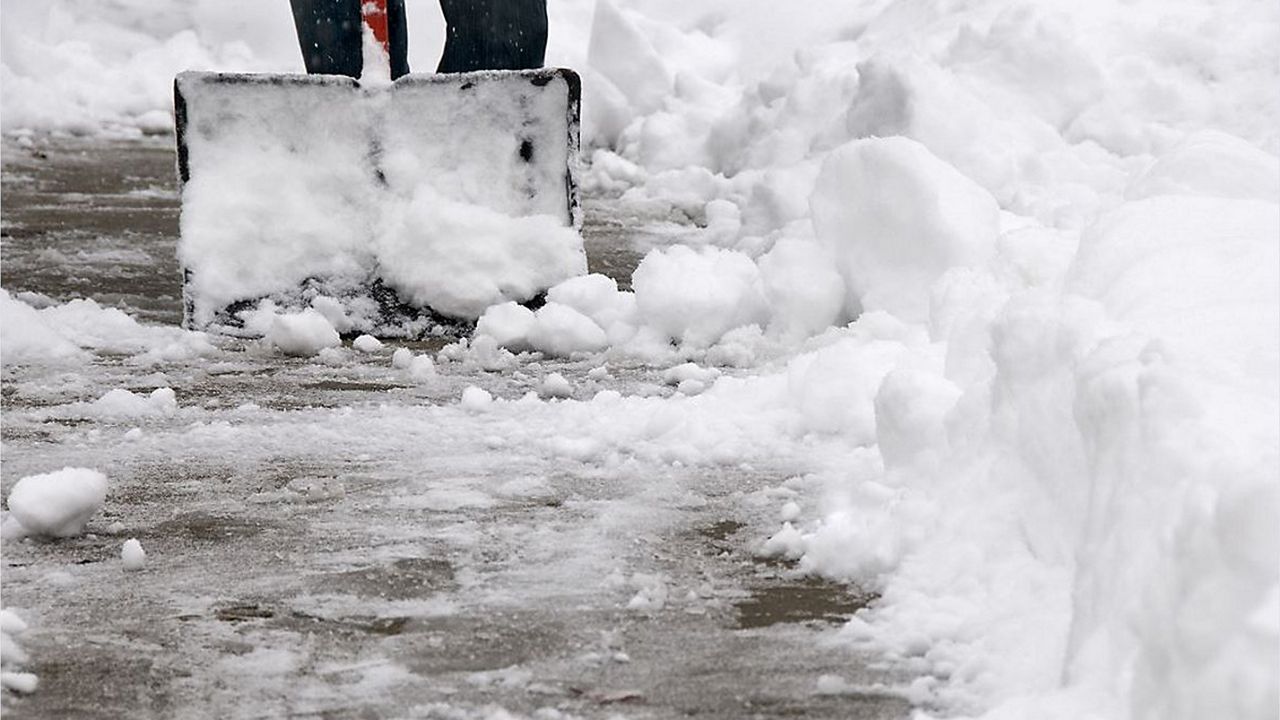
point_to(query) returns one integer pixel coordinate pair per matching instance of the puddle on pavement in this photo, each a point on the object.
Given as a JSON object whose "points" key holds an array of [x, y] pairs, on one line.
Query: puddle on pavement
{"points": [[204, 527], [243, 612], [470, 644], [799, 601], [346, 385], [404, 579], [721, 531], [301, 622]]}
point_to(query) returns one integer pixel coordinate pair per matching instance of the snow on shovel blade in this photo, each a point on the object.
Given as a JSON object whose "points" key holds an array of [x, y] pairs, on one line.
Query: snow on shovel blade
{"points": [[431, 197]]}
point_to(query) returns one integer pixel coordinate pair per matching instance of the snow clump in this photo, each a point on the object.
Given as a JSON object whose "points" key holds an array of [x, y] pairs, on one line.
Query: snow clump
{"points": [[12, 656], [58, 504], [132, 556]]}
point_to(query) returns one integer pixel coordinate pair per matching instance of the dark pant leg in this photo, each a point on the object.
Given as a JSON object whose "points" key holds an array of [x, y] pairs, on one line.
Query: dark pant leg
{"points": [[494, 35], [330, 36]]}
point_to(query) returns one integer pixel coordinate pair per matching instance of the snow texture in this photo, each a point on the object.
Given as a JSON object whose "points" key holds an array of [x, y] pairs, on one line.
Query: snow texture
{"points": [[1005, 276], [455, 198]]}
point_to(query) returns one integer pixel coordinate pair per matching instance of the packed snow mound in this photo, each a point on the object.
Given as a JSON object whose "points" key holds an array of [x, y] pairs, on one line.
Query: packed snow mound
{"points": [[695, 296], [120, 404], [58, 504], [302, 334], [72, 331], [896, 217]]}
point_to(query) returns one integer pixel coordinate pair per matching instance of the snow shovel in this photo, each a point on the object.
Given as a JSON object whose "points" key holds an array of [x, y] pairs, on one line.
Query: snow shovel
{"points": [[290, 183]]}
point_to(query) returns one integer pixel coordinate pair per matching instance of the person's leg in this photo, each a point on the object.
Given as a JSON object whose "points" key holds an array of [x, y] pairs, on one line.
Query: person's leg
{"points": [[330, 34], [493, 35]]}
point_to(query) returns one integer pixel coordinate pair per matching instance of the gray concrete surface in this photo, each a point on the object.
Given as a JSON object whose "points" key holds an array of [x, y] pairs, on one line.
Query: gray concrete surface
{"points": [[362, 599]]}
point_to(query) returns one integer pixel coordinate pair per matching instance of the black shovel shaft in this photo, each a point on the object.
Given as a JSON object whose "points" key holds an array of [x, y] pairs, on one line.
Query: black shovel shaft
{"points": [[330, 33]]}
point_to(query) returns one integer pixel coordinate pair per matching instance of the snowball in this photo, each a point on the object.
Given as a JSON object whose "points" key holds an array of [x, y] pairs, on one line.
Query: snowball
{"points": [[896, 218], [695, 296], [475, 399], [510, 324], [302, 334], [60, 503], [401, 358], [562, 331], [132, 555], [422, 367], [556, 386], [367, 344]]}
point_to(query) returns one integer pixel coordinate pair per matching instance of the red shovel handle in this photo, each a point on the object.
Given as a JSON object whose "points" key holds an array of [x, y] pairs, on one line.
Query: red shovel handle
{"points": [[374, 13]]}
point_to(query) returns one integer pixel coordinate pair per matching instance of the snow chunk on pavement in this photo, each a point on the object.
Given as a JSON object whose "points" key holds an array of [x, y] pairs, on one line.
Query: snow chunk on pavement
{"points": [[562, 331], [132, 555], [696, 296], [64, 332], [367, 344], [58, 504], [556, 386], [896, 218], [302, 334], [12, 655], [510, 324], [122, 404], [476, 399]]}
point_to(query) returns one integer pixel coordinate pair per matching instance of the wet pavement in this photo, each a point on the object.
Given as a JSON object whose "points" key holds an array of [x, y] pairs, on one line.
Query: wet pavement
{"points": [[323, 541]]}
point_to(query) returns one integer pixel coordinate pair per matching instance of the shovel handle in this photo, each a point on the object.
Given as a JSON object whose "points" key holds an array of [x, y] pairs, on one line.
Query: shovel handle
{"points": [[374, 14]]}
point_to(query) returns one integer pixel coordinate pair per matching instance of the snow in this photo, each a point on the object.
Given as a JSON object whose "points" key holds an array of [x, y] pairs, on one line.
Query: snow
{"points": [[895, 217], [284, 202], [998, 284], [75, 331], [303, 334], [367, 344], [58, 504], [12, 656], [132, 556]]}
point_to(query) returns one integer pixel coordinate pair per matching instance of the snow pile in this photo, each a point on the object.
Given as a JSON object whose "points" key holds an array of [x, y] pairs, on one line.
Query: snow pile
{"points": [[82, 67], [12, 656], [120, 404], [68, 331], [58, 504]]}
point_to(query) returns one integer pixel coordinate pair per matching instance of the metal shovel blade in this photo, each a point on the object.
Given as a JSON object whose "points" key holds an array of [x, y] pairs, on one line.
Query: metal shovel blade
{"points": [[285, 177]]}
